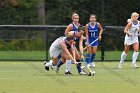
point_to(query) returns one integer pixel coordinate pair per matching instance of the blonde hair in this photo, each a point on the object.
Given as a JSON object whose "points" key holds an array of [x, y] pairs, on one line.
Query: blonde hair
{"points": [[69, 37], [134, 13], [129, 20]]}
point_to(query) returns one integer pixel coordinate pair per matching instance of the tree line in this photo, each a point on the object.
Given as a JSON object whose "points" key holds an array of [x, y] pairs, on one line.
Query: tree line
{"points": [[109, 12], [58, 12]]}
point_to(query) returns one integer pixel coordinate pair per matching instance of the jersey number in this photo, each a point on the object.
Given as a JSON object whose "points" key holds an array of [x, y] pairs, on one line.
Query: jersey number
{"points": [[92, 34]]}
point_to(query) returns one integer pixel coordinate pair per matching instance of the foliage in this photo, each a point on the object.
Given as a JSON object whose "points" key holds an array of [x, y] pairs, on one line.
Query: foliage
{"points": [[58, 12], [23, 13]]}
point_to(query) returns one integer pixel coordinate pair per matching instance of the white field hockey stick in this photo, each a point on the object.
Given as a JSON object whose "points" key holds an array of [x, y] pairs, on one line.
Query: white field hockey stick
{"points": [[86, 69], [91, 43]]}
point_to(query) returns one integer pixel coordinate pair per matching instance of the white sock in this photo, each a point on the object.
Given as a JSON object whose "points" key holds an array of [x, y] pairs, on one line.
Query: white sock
{"points": [[134, 57], [123, 56], [49, 64], [68, 63], [92, 64]]}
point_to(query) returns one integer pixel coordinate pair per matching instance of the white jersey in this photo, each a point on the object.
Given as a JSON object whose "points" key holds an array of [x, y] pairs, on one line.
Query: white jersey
{"points": [[129, 40], [55, 48]]}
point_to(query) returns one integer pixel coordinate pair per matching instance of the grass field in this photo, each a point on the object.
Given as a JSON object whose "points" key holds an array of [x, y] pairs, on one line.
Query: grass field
{"points": [[30, 77], [24, 55], [41, 55]]}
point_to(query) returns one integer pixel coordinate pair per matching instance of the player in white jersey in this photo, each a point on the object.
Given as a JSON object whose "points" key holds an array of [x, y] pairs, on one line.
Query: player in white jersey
{"points": [[78, 38], [132, 31], [61, 46]]}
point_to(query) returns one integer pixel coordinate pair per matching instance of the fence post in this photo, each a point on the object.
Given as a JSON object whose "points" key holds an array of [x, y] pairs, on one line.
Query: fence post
{"points": [[102, 47], [103, 24], [47, 43]]}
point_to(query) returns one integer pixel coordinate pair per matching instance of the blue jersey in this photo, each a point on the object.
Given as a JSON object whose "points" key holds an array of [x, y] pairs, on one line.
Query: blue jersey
{"points": [[76, 39], [93, 33], [74, 27]]}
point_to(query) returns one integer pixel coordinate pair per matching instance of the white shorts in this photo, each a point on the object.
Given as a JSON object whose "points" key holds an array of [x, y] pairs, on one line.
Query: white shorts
{"points": [[55, 49], [54, 52], [130, 40]]}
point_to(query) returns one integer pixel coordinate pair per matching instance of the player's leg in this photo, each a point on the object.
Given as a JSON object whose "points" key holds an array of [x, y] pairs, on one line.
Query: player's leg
{"points": [[135, 54], [54, 54], [124, 54], [59, 56], [68, 62], [94, 50], [51, 63], [61, 61], [79, 68], [88, 55]]}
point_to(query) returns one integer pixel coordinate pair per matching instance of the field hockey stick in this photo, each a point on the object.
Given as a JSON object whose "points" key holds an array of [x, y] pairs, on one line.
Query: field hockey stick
{"points": [[86, 69], [86, 65], [91, 43]]}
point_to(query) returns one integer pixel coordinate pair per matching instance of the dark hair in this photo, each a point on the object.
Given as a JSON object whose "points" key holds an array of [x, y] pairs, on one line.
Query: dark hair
{"points": [[80, 28], [93, 15], [69, 37]]}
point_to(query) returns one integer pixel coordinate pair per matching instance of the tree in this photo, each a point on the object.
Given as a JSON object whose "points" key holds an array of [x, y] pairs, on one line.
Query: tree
{"points": [[41, 12], [13, 2], [6, 2]]}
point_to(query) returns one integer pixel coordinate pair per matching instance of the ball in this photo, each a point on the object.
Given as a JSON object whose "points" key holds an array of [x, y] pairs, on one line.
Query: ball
{"points": [[92, 73]]}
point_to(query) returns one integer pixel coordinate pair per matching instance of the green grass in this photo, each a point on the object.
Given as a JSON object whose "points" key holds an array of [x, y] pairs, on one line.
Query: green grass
{"points": [[27, 55], [115, 55], [41, 55], [30, 77]]}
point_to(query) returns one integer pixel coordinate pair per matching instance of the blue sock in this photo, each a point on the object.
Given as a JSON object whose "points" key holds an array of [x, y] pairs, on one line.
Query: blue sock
{"points": [[59, 63], [59, 56], [92, 57], [88, 58], [79, 66]]}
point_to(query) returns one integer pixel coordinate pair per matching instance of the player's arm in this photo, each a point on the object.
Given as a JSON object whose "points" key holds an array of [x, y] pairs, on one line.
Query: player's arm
{"points": [[100, 31], [86, 31], [126, 29], [81, 46], [139, 29], [68, 29], [63, 46], [73, 45]]}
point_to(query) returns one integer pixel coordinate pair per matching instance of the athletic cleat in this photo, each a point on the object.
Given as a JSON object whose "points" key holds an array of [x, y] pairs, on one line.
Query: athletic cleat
{"points": [[47, 68], [52, 67], [92, 65], [82, 73], [57, 69], [120, 65], [87, 70], [68, 73], [88, 65], [134, 65], [45, 62]]}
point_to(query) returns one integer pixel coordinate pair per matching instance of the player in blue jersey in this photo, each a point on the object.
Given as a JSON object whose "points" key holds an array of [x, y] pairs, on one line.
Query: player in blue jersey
{"points": [[93, 32], [78, 36], [74, 25]]}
